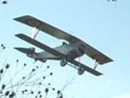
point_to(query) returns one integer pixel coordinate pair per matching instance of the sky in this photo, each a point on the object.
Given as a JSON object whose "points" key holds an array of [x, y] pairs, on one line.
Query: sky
{"points": [[102, 24]]}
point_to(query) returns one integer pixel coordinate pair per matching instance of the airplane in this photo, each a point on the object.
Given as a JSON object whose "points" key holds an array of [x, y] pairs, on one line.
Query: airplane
{"points": [[66, 53]]}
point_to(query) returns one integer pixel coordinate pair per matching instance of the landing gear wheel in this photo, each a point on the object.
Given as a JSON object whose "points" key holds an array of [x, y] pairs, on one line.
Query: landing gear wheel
{"points": [[63, 62], [81, 70], [44, 60]]}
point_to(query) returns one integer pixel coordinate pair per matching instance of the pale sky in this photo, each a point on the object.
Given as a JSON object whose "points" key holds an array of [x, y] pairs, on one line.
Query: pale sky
{"points": [[102, 24]]}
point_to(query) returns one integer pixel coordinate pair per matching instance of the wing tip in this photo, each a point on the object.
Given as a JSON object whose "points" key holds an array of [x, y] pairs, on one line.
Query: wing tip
{"points": [[18, 49], [19, 35], [108, 60], [100, 74], [21, 17]]}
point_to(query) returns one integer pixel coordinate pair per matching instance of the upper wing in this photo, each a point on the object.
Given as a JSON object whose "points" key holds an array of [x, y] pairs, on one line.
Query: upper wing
{"points": [[49, 29], [92, 71], [96, 55]]}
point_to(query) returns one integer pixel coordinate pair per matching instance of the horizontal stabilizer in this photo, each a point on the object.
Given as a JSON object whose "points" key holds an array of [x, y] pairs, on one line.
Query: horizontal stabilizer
{"points": [[29, 51], [25, 50]]}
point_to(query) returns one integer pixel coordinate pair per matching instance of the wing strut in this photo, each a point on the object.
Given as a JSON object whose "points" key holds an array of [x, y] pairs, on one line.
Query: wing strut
{"points": [[35, 32], [95, 64]]}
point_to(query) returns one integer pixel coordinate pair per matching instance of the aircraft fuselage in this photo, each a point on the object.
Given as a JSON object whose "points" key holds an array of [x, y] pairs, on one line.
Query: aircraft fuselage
{"points": [[71, 50]]}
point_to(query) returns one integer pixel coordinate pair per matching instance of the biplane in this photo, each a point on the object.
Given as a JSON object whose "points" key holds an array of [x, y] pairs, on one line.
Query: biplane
{"points": [[66, 53]]}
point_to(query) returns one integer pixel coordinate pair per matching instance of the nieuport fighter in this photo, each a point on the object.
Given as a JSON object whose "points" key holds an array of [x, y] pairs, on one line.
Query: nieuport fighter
{"points": [[66, 53]]}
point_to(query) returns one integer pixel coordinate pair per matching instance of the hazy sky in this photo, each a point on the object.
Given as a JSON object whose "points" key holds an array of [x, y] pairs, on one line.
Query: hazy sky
{"points": [[102, 24]]}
